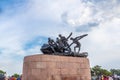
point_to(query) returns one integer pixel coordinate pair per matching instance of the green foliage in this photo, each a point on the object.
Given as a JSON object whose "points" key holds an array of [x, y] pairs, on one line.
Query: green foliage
{"points": [[2, 72], [97, 70], [115, 71], [106, 72], [16, 75]]}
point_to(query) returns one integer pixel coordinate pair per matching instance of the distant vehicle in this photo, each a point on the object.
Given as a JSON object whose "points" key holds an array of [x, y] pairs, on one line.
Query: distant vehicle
{"points": [[2, 77]]}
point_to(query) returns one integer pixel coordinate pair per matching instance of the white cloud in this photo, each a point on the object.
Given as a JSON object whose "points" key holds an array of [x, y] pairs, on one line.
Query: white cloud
{"points": [[105, 43]]}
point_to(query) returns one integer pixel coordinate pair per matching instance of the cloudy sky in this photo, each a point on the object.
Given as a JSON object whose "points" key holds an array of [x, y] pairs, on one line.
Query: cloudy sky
{"points": [[26, 24]]}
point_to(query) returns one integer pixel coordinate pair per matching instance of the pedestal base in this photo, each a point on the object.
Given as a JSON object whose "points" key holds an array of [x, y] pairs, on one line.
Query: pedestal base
{"points": [[52, 67]]}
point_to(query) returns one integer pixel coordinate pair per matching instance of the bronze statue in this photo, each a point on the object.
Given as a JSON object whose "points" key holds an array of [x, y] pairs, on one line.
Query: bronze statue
{"points": [[76, 41], [51, 43], [62, 47]]}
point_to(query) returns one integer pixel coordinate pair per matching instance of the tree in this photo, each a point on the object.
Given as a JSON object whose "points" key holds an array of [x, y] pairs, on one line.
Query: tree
{"points": [[97, 70], [115, 71], [2, 72], [16, 75], [105, 72]]}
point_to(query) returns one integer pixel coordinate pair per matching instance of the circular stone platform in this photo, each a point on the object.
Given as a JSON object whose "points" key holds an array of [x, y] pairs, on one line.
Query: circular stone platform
{"points": [[52, 67]]}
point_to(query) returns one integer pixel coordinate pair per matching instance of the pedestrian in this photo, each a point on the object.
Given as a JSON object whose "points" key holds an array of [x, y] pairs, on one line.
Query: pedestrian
{"points": [[110, 78], [18, 78]]}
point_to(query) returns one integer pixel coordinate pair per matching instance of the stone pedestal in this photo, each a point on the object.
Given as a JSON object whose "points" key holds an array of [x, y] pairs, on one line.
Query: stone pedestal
{"points": [[52, 67]]}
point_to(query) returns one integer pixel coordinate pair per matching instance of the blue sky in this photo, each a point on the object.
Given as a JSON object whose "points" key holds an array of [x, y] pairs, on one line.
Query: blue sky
{"points": [[26, 24]]}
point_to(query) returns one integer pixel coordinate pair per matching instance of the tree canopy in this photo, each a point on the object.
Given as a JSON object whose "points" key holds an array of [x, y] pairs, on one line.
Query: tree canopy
{"points": [[16, 75], [98, 70], [2, 72], [115, 71]]}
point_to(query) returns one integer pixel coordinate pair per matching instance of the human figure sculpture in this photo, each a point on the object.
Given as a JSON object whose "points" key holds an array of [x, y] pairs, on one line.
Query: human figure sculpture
{"points": [[51, 41], [78, 45], [60, 44], [63, 40], [76, 41], [62, 47], [52, 44]]}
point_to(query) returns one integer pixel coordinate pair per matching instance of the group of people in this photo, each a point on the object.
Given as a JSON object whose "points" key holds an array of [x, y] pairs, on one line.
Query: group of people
{"points": [[109, 78], [103, 77], [11, 78], [14, 78]]}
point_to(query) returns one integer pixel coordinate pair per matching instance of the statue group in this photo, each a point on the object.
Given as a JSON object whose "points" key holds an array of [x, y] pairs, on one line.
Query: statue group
{"points": [[62, 47]]}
